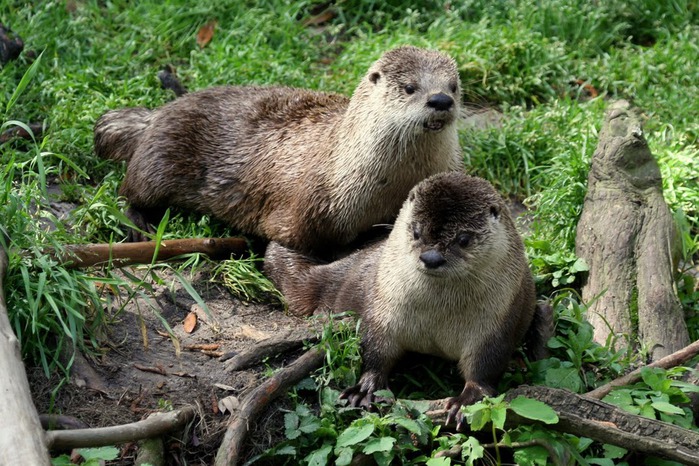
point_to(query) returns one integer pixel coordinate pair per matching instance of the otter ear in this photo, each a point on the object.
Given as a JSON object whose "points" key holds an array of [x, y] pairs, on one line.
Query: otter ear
{"points": [[411, 196], [495, 211], [374, 77]]}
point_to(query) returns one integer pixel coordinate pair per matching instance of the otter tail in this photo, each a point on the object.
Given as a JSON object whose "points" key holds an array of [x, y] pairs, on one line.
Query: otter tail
{"points": [[540, 330], [118, 132], [297, 277]]}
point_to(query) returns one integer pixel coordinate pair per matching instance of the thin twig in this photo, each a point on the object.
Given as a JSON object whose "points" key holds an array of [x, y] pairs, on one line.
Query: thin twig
{"points": [[671, 360]]}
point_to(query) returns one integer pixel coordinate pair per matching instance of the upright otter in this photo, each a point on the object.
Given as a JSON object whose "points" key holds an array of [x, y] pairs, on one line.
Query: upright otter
{"points": [[451, 280], [307, 169]]}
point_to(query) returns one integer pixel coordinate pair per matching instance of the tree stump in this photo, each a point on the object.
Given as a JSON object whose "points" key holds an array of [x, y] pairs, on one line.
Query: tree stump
{"points": [[627, 235]]}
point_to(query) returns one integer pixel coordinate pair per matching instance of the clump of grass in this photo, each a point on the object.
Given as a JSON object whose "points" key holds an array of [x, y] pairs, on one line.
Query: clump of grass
{"points": [[243, 278]]}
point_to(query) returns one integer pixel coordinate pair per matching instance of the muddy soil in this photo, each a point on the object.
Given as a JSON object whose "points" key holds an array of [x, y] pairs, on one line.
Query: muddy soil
{"points": [[139, 370]]}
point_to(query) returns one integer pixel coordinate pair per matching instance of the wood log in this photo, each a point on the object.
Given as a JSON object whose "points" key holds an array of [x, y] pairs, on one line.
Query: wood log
{"points": [[256, 401], [121, 254], [627, 235], [587, 417], [156, 425], [21, 436]]}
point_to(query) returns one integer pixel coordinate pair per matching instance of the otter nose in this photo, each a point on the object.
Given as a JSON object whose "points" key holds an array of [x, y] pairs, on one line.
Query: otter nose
{"points": [[440, 101], [432, 259]]}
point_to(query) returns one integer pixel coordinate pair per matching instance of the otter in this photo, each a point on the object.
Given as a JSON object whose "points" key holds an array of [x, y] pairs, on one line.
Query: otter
{"points": [[451, 280], [307, 169]]}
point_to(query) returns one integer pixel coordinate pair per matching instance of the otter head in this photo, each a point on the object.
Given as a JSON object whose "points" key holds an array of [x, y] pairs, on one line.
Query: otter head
{"points": [[415, 88], [452, 223]]}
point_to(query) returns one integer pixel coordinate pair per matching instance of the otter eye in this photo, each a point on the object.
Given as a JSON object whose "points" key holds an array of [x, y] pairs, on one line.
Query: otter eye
{"points": [[453, 87], [416, 232], [464, 239], [409, 88]]}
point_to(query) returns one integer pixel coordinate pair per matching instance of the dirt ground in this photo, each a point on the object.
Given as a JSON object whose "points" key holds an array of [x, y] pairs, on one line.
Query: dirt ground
{"points": [[135, 376]]}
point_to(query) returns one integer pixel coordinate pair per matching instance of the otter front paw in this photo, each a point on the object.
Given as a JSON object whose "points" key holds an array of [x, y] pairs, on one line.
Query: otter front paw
{"points": [[140, 219], [362, 394], [472, 392]]}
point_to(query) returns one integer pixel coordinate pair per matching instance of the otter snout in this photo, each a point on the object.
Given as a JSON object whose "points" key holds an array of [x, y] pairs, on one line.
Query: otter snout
{"points": [[441, 102], [433, 259]]}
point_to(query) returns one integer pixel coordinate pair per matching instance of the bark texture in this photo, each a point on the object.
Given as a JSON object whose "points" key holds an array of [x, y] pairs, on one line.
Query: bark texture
{"points": [[122, 254], [627, 235], [21, 435]]}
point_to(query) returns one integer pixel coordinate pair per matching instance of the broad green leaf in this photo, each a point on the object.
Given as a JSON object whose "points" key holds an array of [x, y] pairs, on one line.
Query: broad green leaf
{"points": [[383, 458], [309, 424], [655, 378], [479, 418], [579, 266], [564, 377], [472, 450], [532, 456], [102, 453], [647, 410], [63, 460], [291, 421], [443, 461], [320, 456], [379, 444], [601, 461], [354, 434], [534, 409], [666, 407], [409, 424], [344, 456], [286, 450], [613, 451], [619, 398], [498, 415]]}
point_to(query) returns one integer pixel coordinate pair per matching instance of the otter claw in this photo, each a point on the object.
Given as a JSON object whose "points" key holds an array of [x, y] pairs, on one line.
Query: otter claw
{"points": [[455, 414], [358, 398]]}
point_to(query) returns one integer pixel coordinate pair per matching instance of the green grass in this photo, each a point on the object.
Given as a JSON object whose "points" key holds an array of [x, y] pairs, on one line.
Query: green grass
{"points": [[533, 60]]}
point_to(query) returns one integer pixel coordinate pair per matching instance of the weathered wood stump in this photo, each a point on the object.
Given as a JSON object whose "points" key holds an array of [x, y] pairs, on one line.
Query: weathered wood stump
{"points": [[21, 434], [627, 235]]}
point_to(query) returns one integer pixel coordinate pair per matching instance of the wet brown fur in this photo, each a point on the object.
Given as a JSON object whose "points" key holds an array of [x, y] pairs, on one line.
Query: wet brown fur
{"points": [[307, 169], [475, 308]]}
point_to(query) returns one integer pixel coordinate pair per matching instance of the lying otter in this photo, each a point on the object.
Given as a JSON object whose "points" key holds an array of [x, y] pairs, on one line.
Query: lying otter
{"points": [[307, 169]]}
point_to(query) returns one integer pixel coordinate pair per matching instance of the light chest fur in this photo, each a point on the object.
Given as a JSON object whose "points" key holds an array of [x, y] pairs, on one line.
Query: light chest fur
{"points": [[444, 314]]}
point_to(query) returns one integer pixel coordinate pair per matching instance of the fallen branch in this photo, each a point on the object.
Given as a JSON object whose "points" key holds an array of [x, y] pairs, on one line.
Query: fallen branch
{"points": [[257, 400], [155, 426], [672, 360], [587, 417], [21, 439], [256, 354], [121, 254]]}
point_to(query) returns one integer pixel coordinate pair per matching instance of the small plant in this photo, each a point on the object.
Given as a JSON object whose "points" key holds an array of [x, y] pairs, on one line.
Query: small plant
{"points": [[577, 362], [243, 278], [91, 456], [658, 396], [335, 438]]}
